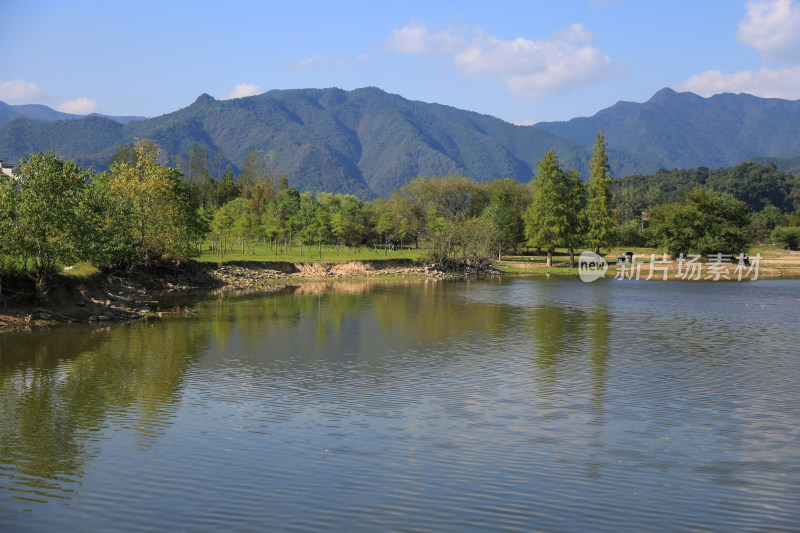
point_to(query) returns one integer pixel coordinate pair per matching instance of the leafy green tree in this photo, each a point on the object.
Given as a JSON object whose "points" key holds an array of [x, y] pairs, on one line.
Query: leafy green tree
{"points": [[162, 220], [321, 229], [254, 172], [108, 241], [756, 185], [629, 234], [411, 211], [271, 226], [574, 198], [305, 219], [238, 219], [453, 197], [287, 205], [763, 222], [478, 238], [504, 214], [704, 222], [351, 225], [228, 187], [384, 227], [440, 234], [787, 237], [546, 219], [8, 204], [600, 217], [46, 221], [125, 154], [198, 176], [217, 163], [222, 227], [791, 219]]}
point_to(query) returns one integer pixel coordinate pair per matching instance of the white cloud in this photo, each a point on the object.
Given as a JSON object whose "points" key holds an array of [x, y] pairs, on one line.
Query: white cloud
{"points": [[524, 122], [79, 106], [242, 90], [773, 28], [319, 62], [575, 33], [415, 38], [533, 69], [766, 83], [18, 90]]}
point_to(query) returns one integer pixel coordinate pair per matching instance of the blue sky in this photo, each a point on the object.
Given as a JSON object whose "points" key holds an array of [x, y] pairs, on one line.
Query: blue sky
{"points": [[524, 62]]}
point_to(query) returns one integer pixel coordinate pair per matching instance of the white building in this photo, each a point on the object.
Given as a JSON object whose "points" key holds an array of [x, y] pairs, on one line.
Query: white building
{"points": [[6, 168]]}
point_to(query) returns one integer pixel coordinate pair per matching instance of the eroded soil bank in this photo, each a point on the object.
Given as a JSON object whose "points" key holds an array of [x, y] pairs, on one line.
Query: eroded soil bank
{"points": [[121, 296]]}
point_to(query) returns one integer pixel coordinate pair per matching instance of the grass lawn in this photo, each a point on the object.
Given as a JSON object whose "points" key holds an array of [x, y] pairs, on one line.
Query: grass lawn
{"points": [[262, 252], [81, 270]]}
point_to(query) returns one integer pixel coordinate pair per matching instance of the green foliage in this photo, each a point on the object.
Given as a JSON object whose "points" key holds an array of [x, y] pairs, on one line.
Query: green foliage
{"points": [[574, 199], [201, 188], [629, 234], [228, 188], [506, 206], [554, 217], [367, 142], [756, 185], [160, 219], [600, 216], [8, 206], [364, 142], [684, 130], [254, 172], [107, 241], [704, 222], [763, 222], [787, 237], [46, 224]]}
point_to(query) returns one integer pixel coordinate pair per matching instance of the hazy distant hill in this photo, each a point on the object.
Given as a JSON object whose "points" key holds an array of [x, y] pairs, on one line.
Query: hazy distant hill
{"points": [[364, 142], [683, 130], [45, 114], [784, 164], [367, 141]]}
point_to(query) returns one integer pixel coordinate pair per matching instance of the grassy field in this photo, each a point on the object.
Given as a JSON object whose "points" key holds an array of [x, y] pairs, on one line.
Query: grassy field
{"points": [[772, 256], [261, 252], [774, 260]]}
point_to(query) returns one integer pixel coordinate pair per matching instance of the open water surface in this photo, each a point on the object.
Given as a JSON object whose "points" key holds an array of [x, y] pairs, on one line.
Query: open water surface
{"points": [[526, 404]]}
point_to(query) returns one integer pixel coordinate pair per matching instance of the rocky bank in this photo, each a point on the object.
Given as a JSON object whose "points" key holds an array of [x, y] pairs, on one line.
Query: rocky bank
{"points": [[122, 296]]}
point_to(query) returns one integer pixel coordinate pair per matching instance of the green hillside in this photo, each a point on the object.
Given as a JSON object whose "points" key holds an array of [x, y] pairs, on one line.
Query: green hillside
{"points": [[364, 142], [683, 130], [368, 142]]}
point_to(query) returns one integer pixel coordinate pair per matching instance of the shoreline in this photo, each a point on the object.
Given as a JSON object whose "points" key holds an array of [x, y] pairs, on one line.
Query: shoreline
{"points": [[123, 297]]}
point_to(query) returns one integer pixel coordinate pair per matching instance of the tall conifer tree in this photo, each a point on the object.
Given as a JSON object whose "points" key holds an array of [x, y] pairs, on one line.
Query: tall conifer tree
{"points": [[599, 210]]}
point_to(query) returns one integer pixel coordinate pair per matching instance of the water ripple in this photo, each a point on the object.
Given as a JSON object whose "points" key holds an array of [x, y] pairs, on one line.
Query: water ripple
{"points": [[520, 405]]}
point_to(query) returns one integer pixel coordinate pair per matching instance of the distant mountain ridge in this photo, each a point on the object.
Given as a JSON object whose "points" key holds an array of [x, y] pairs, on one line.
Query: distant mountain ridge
{"points": [[684, 130], [368, 142], [365, 142], [43, 113]]}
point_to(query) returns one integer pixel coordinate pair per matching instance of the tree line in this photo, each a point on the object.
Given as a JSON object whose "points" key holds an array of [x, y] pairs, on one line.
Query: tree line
{"points": [[143, 211], [56, 213]]}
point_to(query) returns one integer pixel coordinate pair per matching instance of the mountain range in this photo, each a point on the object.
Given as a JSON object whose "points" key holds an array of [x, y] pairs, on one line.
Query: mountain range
{"points": [[368, 142], [42, 113]]}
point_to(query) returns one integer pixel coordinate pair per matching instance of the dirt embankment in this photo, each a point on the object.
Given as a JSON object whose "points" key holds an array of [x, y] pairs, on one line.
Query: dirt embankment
{"points": [[134, 295]]}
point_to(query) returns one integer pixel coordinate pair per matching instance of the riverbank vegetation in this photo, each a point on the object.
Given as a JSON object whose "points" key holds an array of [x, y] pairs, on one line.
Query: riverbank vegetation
{"points": [[144, 211]]}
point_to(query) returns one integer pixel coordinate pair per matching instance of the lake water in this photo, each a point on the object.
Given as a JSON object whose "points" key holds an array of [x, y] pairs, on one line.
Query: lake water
{"points": [[525, 404]]}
